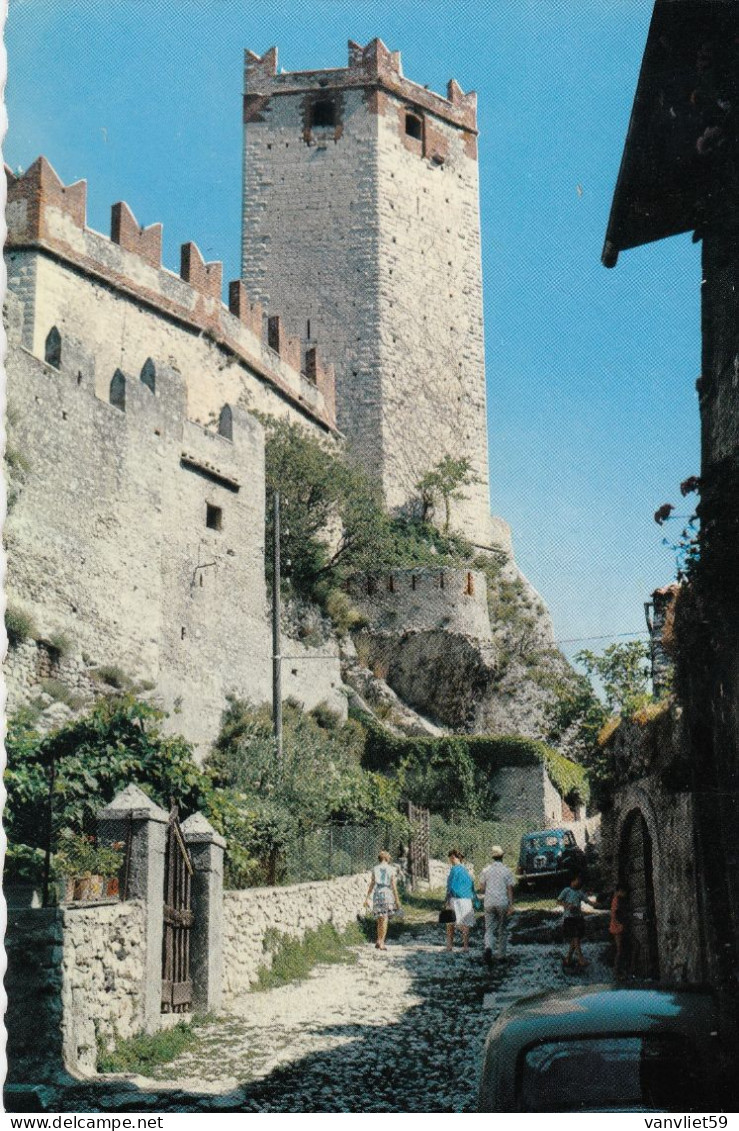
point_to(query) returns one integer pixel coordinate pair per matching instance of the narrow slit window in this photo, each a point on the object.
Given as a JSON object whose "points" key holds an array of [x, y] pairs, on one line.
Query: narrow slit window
{"points": [[414, 126], [213, 517], [149, 375], [311, 366], [273, 332], [53, 348], [226, 423], [118, 391]]}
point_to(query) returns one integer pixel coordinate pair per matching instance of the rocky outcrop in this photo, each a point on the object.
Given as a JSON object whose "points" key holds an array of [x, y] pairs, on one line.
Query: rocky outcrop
{"points": [[471, 650]]}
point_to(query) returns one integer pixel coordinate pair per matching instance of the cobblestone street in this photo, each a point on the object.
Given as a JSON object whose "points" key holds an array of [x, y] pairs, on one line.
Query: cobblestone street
{"points": [[398, 1031]]}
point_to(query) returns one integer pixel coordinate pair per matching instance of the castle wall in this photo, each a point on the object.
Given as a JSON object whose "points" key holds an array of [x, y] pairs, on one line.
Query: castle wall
{"points": [[419, 600], [375, 237], [110, 545], [115, 295], [121, 332]]}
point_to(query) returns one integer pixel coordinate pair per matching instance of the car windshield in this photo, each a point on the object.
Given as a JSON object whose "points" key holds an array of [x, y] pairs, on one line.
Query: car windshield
{"points": [[656, 1072], [537, 843]]}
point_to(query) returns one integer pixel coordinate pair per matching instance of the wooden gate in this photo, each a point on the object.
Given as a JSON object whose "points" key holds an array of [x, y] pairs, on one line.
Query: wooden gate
{"points": [[636, 867], [419, 847], [178, 918]]}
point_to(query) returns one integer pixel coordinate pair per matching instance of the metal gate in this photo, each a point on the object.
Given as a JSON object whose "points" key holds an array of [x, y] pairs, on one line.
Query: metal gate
{"points": [[636, 867], [178, 918], [420, 843]]}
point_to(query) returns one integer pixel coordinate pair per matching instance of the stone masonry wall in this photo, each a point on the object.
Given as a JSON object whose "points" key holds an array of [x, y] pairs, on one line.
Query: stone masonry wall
{"points": [[525, 793], [72, 974], [368, 240], [421, 599], [669, 816], [112, 544], [114, 295], [248, 915]]}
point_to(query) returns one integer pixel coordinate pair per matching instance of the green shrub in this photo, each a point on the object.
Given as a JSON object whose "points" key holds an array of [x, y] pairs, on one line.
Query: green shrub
{"points": [[293, 959], [143, 1052], [63, 694], [19, 624], [438, 769], [112, 675], [61, 643]]}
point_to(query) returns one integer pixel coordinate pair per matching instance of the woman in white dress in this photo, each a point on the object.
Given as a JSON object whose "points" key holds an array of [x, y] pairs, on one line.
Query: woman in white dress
{"points": [[384, 891]]}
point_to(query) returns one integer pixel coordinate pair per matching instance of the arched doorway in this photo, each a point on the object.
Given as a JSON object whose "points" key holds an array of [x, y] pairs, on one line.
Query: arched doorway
{"points": [[635, 865]]}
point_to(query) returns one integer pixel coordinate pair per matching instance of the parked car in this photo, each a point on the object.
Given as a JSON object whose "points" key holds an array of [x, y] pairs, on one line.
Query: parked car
{"points": [[548, 856], [603, 1049]]}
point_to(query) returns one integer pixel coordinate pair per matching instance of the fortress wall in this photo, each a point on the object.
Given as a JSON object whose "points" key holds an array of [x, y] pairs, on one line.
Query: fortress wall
{"points": [[114, 294], [122, 332], [424, 599], [110, 529], [109, 545], [310, 237]]}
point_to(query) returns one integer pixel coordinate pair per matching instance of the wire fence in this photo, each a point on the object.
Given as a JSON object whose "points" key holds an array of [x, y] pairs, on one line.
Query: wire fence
{"points": [[335, 850]]}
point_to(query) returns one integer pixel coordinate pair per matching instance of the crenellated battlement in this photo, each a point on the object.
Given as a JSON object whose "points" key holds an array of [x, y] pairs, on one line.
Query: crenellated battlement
{"points": [[45, 214], [373, 65], [422, 600]]}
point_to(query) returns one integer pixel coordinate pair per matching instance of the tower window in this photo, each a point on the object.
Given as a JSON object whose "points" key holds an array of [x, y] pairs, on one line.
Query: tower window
{"points": [[226, 423], [323, 113], [149, 375], [118, 391], [213, 517], [311, 365], [273, 332], [413, 126], [53, 348]]}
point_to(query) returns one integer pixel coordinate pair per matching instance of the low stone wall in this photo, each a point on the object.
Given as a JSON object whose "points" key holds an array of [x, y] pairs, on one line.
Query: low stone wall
{"points": [[72, 973], [103, 971], [248, 915]]}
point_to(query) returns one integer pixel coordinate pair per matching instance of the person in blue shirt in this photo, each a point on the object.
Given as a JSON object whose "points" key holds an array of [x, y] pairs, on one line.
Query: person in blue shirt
{"points": [[571, 898], [460, 892]]}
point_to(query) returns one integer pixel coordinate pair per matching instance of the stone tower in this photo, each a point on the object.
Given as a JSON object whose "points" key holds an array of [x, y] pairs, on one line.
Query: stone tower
{"points": [[361, 226]]}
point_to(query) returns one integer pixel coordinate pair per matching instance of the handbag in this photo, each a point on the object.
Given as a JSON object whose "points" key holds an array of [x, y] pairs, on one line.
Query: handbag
{"points": [[446, 915], [477, 904]]}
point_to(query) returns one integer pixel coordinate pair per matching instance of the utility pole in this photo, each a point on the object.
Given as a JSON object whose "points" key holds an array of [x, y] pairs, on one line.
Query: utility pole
{"points": [[276, 657]]}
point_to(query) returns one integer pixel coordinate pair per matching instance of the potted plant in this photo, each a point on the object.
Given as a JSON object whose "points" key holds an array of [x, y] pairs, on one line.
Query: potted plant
{"points": [[90, 871]]}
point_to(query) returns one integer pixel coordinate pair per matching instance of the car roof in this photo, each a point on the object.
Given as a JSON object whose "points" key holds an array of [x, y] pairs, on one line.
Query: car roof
{"points": [[545, 832], [601, 1008]]}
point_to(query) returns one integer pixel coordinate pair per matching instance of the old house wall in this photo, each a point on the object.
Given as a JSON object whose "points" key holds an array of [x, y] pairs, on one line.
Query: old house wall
{"points": [[525, 793], [374, 236], [649, 772]]}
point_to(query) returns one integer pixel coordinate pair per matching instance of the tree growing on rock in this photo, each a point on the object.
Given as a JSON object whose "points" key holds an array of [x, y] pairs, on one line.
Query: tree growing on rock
{"points": [[444, 482]]}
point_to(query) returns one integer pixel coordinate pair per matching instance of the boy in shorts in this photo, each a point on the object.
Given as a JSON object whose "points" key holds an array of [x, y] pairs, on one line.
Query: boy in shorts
{"points": [[571, 899]]}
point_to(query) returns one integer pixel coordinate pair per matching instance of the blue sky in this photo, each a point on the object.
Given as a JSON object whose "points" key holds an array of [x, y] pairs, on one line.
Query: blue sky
{"points": [[593, 417]]}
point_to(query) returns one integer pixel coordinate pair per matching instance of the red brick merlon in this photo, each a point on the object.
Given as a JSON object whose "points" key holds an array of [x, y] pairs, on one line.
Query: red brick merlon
{"points": [[49, 216], [373, 66]]}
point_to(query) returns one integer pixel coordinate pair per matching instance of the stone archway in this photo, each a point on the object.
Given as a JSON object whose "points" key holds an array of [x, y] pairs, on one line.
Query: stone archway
{"points": [[636, 866]]}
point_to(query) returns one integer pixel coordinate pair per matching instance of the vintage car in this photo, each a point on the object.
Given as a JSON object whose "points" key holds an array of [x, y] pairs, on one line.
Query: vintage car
{"points": [[548, 857], [602, 1049]]}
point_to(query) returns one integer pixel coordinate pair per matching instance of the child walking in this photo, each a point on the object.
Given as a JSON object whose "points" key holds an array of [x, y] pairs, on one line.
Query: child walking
{"points": [[571, 899]]}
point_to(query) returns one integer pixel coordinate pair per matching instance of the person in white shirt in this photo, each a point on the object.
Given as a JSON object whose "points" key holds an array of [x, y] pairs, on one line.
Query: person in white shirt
{"points": [[496, 888]]}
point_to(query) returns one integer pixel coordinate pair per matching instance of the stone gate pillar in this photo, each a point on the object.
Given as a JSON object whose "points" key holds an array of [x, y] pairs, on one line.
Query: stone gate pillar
{"points": [[206, 936], [131, 814]]}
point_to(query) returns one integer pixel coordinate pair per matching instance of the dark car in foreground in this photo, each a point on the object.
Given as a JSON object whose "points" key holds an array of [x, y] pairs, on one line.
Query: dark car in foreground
{"points": [[603, 1049], [548, 856]]}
